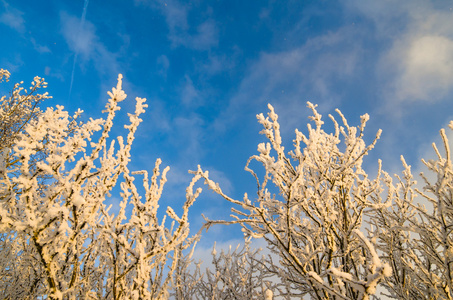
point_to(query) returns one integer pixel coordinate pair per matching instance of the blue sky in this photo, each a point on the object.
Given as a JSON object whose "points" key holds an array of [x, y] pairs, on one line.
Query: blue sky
{"points": [[208, 67]]}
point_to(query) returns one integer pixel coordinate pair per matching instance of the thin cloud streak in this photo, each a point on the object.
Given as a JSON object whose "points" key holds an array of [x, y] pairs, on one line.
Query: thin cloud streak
{"points": [[82, 23]]}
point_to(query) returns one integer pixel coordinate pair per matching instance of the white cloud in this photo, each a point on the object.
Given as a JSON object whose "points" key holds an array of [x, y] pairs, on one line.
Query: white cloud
{"points": [[421, 58], [418, 65], [13, 18], [426, 68], [83, 41], [80, 39]]}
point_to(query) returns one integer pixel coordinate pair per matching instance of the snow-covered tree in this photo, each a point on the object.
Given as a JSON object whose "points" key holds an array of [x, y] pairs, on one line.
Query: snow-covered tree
{"points": [[59, 239], [415, 233], [314, 223], [239, 274]]}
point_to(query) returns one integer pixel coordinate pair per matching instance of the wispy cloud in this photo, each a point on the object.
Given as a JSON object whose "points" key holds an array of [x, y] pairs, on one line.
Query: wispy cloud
{"points": [[190, 95], [287, 79], [84, 42], [201, 36], [12, 17], [40, 48], [81, 40], [205, 37]]}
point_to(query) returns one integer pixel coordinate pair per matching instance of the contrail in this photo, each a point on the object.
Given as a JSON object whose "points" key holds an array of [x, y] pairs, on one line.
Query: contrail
{"points": [[82, 22]]}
